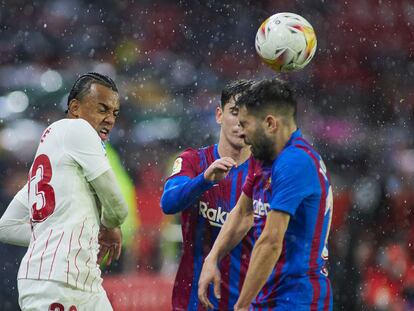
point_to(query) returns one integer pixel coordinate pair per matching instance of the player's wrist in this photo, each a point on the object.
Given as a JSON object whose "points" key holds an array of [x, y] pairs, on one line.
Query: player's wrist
{"points": [[241, 305], [207, 176], [107, 226], [211, 258]]}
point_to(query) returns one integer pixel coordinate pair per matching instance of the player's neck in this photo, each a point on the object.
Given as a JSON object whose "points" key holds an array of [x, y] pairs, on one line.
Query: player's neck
{"points": [[237, 154], [283, 137]]}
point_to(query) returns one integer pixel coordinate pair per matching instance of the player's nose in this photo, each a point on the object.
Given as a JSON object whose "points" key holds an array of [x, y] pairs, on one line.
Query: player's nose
{"points": [[110, 119]]}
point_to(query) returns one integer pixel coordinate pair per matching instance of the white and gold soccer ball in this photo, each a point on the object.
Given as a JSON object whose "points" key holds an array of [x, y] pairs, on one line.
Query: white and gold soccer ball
{"points": [[286, 42]]}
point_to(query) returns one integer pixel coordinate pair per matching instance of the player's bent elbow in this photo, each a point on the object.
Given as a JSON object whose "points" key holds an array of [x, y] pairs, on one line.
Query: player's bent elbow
{"points": [[4, 232], [122, 214], [3, 235], [166, 207]]}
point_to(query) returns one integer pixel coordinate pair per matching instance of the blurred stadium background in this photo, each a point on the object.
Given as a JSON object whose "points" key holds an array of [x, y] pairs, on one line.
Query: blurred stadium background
{"points": [[170, 60]]}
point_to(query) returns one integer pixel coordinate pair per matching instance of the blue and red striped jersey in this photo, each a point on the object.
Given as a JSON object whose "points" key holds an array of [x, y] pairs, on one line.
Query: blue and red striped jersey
{"points": [[296, 183], [201, 220]]}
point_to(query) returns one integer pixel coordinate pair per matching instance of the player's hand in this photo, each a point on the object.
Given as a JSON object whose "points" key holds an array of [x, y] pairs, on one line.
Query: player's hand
{"points": [[110, 241], [209, 273], [219, 169]]}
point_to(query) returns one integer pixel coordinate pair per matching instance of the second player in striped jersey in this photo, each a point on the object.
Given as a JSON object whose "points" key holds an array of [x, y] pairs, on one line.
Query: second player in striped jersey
{"points": [[204, 186]]}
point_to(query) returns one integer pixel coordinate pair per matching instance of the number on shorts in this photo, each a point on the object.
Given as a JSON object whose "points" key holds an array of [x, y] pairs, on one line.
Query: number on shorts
{"points": [[56, 307], [41, 193], [59, 307]]}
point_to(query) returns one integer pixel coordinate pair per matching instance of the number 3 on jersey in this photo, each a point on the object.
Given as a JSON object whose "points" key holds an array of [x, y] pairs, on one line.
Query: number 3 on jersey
{"points": [[41, 193]]}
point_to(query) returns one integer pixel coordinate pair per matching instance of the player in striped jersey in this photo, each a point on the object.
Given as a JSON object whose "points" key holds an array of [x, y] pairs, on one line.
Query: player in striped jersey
{"points": [[71, 197], [287, 199], [204, 186]]}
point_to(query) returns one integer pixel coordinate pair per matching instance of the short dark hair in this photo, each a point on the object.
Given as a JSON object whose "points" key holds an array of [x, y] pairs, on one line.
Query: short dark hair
{"points": [[233, 88], [272, 94], [82, 85]]}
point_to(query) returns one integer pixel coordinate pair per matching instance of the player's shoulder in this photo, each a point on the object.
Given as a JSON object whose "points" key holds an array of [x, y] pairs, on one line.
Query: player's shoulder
{"points": [[78, 128], [73, 124], [294, 157], [197, 153], [189, 154]]}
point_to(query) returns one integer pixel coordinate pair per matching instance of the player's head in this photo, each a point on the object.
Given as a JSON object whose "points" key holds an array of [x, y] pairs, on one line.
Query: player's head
{"points": [[267, 116], [94, 97], [226, 114]]}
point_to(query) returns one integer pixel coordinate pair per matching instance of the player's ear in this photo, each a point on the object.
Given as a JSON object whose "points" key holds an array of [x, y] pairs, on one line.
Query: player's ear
{"points": [[73, 109], [271, 123], [219, 114]]}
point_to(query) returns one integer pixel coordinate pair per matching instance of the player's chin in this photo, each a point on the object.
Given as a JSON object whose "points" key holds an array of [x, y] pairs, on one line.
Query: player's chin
{"points": [[239, 142]]}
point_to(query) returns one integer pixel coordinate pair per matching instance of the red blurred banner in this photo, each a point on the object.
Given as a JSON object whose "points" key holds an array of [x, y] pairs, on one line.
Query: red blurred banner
{"points": [[143, 292]]}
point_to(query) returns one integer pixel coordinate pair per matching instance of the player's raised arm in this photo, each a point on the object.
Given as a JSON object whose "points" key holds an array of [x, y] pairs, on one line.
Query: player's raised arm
{"points": [[238, 223], [15, 223], [184, 186]]}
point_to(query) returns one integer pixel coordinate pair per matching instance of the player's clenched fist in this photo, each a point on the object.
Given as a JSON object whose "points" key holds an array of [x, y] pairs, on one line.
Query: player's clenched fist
{"points": [[219, 169], [209, 273]]}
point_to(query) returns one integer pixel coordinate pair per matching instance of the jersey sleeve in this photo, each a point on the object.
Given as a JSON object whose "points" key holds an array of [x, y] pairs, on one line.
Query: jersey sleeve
{"points": [[15, 222], [84, 145], [293, 179], [186, 164], [185, 184], [23, 196], [249, 182]]}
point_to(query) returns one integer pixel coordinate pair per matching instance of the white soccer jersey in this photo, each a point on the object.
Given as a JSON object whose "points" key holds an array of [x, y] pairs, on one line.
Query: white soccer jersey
{"points": [[63, 207]]}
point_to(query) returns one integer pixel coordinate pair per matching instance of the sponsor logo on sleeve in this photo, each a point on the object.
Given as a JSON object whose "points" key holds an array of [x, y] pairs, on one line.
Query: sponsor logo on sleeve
{"points": [[177, 166], [260, 209]]}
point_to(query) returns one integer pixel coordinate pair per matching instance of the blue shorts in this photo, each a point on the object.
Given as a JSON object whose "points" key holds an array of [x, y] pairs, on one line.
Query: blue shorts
{"points": [[297, 294]]}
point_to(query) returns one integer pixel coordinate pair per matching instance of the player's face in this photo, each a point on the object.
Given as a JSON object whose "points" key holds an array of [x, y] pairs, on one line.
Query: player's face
{"points": [[100, 107], [230, 127], [255, 135]]}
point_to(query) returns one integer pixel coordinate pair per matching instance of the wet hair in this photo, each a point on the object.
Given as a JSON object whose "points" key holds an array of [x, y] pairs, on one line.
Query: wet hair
{"points": [[234, 88], [269, 94], [83, 84]]}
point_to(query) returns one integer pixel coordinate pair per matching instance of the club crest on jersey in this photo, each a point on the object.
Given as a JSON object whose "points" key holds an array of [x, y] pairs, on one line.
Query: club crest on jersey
{"points": [[216, 216], [178, 163]]}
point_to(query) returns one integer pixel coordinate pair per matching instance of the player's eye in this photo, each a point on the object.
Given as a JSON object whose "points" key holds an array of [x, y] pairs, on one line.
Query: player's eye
{"points": [[116, 114], [234, 111]]}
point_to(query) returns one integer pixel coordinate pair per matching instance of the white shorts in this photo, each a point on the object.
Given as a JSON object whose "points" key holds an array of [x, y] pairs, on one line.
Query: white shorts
{"points": [[40, 295]]}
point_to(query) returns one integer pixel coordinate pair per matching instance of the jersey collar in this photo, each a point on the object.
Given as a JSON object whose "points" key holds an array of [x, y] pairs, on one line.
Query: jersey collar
{"points": [[296, 134]]}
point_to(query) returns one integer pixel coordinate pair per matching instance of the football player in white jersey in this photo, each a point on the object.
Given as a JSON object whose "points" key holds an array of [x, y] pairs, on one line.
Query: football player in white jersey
{"points": [[69, 212]]}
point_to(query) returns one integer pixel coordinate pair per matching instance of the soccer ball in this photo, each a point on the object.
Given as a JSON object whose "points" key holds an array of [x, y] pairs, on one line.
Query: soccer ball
{"points": [[286, 42]]}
